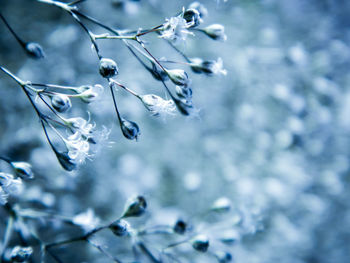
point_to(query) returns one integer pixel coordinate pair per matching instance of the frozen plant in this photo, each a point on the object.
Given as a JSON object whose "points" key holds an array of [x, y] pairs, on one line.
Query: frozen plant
{"points": [[57, 98]]}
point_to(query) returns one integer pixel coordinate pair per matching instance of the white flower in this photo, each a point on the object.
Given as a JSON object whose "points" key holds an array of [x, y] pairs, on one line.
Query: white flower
{"points": [[175, 29], [157, 105], [218, 67], [3, 197], [9, 185], [81, 125], [78, 148], [87, 220]]}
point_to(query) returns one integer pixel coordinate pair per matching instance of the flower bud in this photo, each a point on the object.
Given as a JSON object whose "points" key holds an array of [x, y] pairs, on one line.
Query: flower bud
{"points": [[192, 17], [135, 207], [178, 76], [221, 205], [196, 65], [216, 32], [200, 8], [158, 73], [83, 88], [9, 184], [21, 254], [108, 68], [66, 162], [120, 227], [223, 257], [180, 227], [23, 170], [184, 92], [229, 237], [200, 243], [91, 94], [61, 102], [130, 129], [208, 67], [34, 50]]}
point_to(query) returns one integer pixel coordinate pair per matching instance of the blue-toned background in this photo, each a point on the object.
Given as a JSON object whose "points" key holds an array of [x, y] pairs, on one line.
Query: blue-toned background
{"points": [[272, 135]]}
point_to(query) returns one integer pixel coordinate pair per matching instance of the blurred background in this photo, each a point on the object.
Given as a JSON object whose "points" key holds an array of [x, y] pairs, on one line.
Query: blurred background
{"points": [[272, 135]]}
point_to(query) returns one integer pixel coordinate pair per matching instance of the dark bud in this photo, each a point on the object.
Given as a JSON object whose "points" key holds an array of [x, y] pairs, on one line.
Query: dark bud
{"points": [[130, 129], [192, 17], [158, 73], [120, 228], [200, 243], [223, 257], [208, 67], [21, 254], [196, 65], [184, 106], [180, 227], [184, 92], [135, 207], [66, 162], [34, 50], [61, 102], [108, 68], [118, 3], [200, 8]]}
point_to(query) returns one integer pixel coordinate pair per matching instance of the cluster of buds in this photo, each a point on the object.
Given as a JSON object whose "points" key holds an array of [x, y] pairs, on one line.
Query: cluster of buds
{"points": [[75, 133], [78, 133], [202, 236]]}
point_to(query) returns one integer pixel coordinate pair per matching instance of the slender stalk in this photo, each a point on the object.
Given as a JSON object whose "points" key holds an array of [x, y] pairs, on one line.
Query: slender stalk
{"points": [[5, 159], [148, 253], [8, 233], [54, 86], [76, 2], [56, 258], [103, 251], [91, 35], [13, 76], [76, 239], [49, 106], [127, 89], [178, 50], [114, 37], [115, 103], [19, 40]]}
